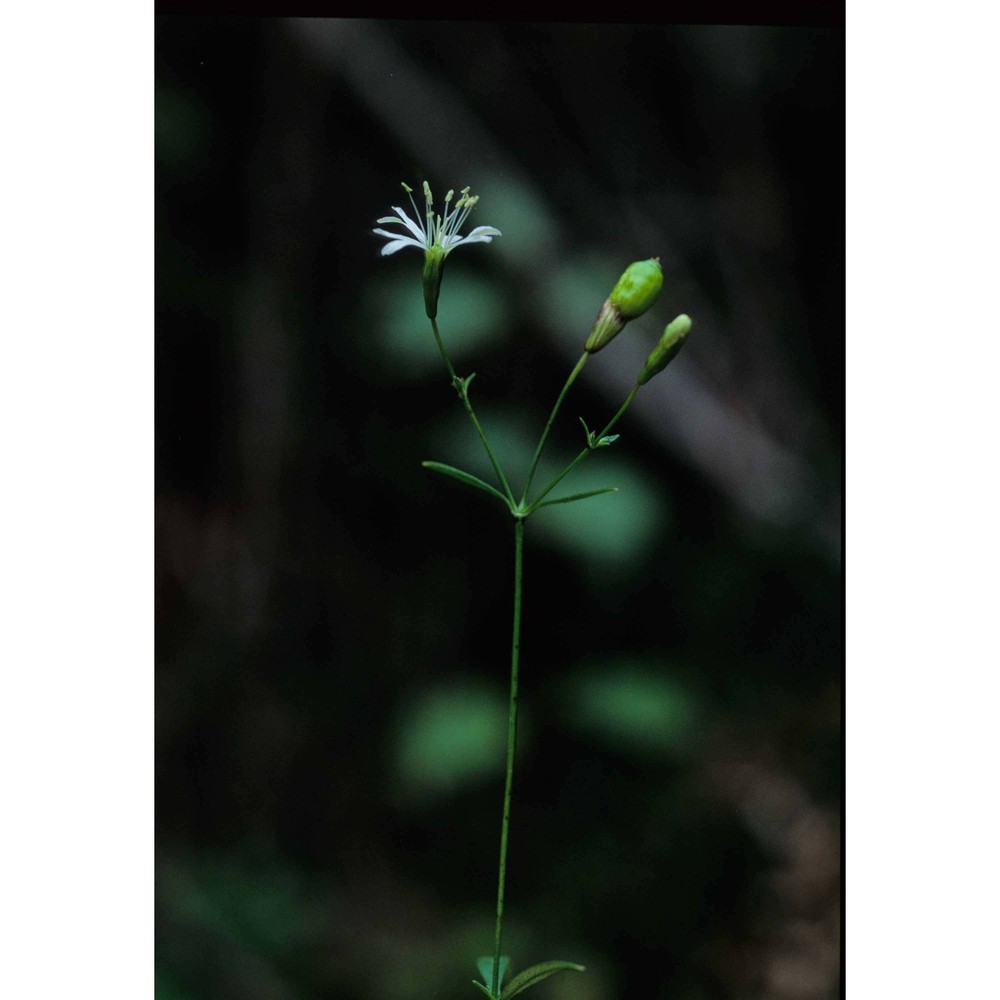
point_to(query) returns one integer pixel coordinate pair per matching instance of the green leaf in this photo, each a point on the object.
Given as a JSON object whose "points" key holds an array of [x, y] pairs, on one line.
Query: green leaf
{"points": [[588, 432], [579, 496], [479, 986], [463, 477], [536, 974], [610, 439], [485, 966]]}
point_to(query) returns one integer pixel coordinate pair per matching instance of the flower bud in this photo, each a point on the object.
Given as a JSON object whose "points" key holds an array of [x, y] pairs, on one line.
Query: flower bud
{"points": [[637, 288], [433, 269], [667, 349], [635, 291]]}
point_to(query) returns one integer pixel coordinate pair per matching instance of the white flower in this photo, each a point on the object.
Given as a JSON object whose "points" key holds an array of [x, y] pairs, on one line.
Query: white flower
{"points": [[434, 232]]}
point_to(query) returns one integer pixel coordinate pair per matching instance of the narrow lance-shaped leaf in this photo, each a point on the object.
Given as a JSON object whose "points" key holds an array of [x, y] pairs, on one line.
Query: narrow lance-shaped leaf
{"points": [[579, 496], [479, 986], [463, 477], [536, 974]]}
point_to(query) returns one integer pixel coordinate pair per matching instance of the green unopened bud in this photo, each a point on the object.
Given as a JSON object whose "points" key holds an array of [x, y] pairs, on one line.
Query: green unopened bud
{"points": [[635, 291], [433, 269], [667, 349], [637, 288]]}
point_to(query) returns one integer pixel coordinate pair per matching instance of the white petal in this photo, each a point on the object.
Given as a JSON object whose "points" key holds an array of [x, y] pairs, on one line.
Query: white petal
{"points": [[473, 238], [398, 245], [484, 231], [410, 224], [389, 218], [397, 236]]}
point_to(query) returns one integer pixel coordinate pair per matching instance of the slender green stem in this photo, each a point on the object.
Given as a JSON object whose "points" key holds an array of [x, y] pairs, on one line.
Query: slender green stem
{"points": [[464, 396], [442, 349], [511, 741], [583, 454], [552, 416]]}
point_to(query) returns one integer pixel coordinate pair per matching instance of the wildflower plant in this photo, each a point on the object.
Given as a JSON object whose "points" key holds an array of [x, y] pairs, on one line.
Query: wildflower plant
{"points": [[636, 291]]}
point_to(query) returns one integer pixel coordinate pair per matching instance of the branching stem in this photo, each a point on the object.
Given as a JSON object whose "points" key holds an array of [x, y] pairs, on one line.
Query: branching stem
{"points": [[583, 454]]}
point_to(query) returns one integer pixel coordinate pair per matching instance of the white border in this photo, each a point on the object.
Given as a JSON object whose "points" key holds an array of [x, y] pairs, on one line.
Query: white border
{"points": [[76, 398], [921, 509]]}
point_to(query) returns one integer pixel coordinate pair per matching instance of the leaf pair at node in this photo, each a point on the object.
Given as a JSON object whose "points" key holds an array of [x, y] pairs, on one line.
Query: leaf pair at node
{"points": [[522, 981], [470, 480]]}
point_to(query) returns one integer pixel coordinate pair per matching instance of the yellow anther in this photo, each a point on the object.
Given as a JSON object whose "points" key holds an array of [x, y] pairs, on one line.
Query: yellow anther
{"points": [[407, 188]]}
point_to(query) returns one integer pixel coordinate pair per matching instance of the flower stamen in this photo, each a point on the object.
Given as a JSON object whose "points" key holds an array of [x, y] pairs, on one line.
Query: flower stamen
{"points": [[435, 234]]}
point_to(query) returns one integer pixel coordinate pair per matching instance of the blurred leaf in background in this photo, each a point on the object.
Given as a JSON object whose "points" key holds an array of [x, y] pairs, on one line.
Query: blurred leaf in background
{"points": [[615, 532], [472, 315], [451, 737], [635, 709]]}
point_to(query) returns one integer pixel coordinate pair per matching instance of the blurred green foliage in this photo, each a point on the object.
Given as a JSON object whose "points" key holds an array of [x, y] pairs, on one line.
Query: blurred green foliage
{"points": [[451, 738], [636, 710], [472, 314], [613, 532]]}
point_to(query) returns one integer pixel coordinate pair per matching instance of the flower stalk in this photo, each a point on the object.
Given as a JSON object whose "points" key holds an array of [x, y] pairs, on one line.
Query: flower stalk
{"points": [[548, 425]]}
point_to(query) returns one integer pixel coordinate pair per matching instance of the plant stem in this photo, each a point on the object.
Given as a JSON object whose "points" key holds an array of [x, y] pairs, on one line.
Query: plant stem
{"points": [[511, 741], [552, 416], [583, 454], [464, 396]]}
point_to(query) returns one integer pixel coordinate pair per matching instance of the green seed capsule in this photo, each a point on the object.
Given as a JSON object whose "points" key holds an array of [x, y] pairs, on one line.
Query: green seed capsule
{"points": [[667, 349], [635, 291]]}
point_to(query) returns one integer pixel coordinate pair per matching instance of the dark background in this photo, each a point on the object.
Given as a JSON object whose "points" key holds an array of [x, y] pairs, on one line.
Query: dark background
{"points": [[333, 620]]}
